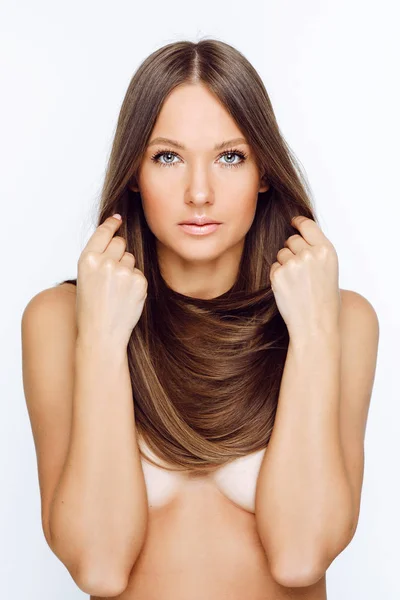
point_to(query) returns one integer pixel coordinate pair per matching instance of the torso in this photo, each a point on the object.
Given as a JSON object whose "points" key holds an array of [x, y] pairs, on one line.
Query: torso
{"points": [[202, 541]]}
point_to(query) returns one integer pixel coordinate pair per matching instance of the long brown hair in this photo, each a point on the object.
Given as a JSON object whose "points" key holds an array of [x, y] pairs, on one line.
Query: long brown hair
{"points": [[206, 373]]}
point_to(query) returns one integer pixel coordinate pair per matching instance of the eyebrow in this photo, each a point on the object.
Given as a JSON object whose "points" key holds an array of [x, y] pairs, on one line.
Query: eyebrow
{"points": [[163, 140]]}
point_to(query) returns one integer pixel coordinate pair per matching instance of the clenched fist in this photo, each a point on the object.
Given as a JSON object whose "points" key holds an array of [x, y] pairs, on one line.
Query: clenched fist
{"points": [[110, 291]]}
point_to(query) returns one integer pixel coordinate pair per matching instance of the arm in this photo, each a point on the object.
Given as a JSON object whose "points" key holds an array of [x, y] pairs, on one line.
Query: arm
{"points": [[81, 411], [98, 515], [309, 486]]}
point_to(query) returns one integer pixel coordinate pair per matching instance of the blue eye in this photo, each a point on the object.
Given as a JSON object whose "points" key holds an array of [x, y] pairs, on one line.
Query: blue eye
{"points": [[155, 158], [241, 155]]}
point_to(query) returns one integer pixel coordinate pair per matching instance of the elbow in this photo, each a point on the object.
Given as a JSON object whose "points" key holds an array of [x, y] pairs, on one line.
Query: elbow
{"points": [[305, 568], [297, 573], [100, 583]]}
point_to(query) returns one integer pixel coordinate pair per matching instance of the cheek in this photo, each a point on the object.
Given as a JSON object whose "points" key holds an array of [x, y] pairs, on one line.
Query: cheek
{"points": [[242, 197], [156, 204], [243, 211], [156, 201], [157, 211]]}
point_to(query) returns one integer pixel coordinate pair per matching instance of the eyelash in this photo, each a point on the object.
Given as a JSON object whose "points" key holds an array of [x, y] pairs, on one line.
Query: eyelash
{"points": [[242, 155]]}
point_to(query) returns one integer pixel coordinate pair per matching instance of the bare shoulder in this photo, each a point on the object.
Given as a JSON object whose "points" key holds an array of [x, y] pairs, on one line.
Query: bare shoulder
{"points": [[62, 295], [50, 318], [359, 333], [358, 309], [69, 288]]}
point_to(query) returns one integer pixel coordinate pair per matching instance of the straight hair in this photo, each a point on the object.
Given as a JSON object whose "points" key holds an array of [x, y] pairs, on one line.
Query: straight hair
{"points": [[206, 373]]}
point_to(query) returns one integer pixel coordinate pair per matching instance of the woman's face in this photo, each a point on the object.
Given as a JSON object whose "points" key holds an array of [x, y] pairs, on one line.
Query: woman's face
{"points": [[178, 183]]}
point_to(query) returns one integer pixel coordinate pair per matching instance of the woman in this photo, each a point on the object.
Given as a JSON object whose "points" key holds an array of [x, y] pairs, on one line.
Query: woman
{"points": [[199, 400]]}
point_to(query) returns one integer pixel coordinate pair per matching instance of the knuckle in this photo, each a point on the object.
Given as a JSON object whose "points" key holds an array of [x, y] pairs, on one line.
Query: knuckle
{"points": [[326, 249], [141, 280], [284, 252], [124, 271], [88, 257], [108, 263], [277, 267], [306, 253], [292, 263], [119, 239], [106, 225]]}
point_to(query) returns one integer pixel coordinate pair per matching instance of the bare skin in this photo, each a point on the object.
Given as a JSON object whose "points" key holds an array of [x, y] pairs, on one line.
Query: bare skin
{"points": [[179, 184], [200, 544]]}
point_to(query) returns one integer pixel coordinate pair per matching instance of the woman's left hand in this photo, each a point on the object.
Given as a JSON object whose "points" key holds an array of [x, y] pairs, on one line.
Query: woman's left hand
{"points": [[304, 281]]}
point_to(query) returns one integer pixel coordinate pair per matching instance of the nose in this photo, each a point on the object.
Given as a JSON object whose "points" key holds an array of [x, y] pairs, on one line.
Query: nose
{"points": [[199, 188]]}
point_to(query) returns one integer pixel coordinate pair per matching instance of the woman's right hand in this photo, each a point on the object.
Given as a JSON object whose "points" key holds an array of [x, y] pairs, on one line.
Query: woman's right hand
{"points": [[110, 291]]}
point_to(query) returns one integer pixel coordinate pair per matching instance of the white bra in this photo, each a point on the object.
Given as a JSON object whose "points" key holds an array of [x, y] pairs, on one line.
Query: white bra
{"points": [[236, 480]]}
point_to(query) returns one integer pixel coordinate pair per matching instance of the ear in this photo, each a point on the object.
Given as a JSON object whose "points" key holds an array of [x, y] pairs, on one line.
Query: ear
{"points": [[133, 185], [264, 185]]}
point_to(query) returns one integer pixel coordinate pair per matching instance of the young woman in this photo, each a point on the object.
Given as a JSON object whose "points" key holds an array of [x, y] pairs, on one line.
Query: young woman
{"points": [[199, 394]]}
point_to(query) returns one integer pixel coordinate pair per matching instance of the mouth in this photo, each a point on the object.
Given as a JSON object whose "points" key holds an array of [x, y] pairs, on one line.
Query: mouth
{"points": [[200, 224], [200, 229], [200, 221]]}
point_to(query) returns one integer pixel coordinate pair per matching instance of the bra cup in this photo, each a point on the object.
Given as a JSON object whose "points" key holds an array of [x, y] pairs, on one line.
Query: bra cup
{"points": [[237, 480], [161, 485]]}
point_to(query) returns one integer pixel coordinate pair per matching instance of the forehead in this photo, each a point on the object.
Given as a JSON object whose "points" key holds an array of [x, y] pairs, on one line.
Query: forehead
{"points": [[194, 116]]}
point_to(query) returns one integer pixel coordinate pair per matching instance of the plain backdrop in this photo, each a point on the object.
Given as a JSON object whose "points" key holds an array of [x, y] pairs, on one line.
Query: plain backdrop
{"points": [[331, 70]]}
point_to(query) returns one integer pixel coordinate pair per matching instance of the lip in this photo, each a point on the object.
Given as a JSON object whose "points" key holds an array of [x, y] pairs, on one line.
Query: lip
{"points": [[199, 221], [199, 229]]}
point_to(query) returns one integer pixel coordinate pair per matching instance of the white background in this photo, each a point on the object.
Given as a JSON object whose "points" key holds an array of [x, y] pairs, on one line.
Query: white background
{"points": [[331, 70]]}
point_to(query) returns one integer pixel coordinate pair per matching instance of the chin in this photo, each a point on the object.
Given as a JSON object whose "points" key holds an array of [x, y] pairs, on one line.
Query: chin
{"points": [[196, 256]]}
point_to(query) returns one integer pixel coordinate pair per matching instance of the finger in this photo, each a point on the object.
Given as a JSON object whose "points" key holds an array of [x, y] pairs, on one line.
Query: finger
{"points": [[274, 267], [128, 260], [295, 243], [284, 255], [309, 229], [116, 248], [100, 239]]}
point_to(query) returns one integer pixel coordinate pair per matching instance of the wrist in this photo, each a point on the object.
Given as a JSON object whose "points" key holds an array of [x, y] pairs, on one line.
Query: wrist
{"points": [[94, 344], [316, 337]]}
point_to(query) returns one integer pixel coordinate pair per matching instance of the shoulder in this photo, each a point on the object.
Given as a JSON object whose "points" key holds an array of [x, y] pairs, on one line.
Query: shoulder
{"points": [[64, 288], [50, 304], [58, 292], [357, 312], [359, 335]]}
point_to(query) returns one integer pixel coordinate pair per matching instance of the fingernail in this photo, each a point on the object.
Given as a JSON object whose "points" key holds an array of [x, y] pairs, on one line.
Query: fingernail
{"points": [[117, 216]]}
